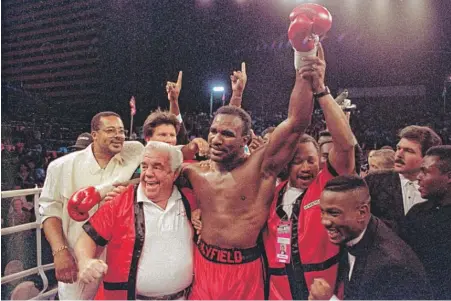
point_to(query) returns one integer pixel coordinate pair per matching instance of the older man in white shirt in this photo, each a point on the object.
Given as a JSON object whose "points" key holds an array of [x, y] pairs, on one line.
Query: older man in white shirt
{"points": [[148, 233], [106, 161]]}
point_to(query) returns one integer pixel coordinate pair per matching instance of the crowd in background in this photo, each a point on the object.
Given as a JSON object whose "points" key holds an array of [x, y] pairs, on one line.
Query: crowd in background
{"points": [[29, 147]]}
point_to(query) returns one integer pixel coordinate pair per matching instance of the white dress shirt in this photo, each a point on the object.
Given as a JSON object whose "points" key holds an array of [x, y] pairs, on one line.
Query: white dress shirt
{"points": [[72, 172], [166, 264], [410, 194], [289, 198]]}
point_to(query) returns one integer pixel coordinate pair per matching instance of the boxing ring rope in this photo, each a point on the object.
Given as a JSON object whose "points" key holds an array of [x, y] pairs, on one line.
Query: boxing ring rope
{"points": [[40, 269]]}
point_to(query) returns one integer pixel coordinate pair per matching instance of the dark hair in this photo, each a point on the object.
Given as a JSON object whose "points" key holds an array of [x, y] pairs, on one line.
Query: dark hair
{"points": [[268, 130], [387, 147], [345, 183], [95, 121], [325, 133], [424, 135], [305, 138], [324, 137], [157, 118], [443, 152], [238, 112]]}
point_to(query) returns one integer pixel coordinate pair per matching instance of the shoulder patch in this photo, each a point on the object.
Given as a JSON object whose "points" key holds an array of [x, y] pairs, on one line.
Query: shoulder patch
{"points": [[311, 204]]}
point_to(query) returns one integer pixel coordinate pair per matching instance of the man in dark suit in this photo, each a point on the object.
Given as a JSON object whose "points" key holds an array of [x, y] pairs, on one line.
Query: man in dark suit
{"points": [[376, 264], [427, 228], [394, 192]]}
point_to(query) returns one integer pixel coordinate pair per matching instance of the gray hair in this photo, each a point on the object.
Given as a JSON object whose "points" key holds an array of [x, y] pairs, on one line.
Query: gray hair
{"points": [[175, 154]]}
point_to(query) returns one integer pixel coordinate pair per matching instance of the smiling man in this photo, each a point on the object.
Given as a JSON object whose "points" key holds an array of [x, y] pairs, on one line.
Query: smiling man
{"points": [[375, 263], [235, 193], [148, 232], [394, 192], [108, 159]]}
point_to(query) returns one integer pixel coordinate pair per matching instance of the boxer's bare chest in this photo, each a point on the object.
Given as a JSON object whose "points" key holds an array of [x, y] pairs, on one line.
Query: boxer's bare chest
{"points": [[230, 190]]}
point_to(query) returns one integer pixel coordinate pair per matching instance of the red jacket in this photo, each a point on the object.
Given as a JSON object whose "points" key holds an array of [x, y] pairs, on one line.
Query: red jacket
{"points": [[124, 217], [312, 256]]}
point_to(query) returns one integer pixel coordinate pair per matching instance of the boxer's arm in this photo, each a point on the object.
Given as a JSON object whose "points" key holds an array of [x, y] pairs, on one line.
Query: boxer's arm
{"points": [[280, 148]]}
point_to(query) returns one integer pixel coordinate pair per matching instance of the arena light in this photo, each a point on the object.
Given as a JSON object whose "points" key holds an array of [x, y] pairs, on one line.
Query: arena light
{"points": [[218, 89]]}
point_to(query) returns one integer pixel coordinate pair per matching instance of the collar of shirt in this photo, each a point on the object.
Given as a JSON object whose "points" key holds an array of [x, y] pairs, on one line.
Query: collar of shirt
{"points": [[294, 190], [94, 166], [356, 240], [175, 196], [405, 182]]}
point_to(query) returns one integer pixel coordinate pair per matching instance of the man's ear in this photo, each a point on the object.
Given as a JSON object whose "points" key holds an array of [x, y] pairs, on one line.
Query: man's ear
{"points": [[364, 210], [177, 174], [246, 140], [94, 134]]}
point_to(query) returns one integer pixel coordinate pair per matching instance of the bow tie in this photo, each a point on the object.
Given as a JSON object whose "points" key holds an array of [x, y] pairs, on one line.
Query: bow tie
{"points": [[353, 250]]}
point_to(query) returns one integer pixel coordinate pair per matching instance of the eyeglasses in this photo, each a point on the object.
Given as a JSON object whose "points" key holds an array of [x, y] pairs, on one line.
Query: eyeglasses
{"points": [[111, 132]]}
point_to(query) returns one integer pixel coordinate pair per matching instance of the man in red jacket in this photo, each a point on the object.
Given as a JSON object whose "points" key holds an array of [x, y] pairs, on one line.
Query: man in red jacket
{"points": [[294, 223], [149, 236]]}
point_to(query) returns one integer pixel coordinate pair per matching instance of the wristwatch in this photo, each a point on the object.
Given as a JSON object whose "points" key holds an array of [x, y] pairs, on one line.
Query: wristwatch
{"points": [[320, 94]]}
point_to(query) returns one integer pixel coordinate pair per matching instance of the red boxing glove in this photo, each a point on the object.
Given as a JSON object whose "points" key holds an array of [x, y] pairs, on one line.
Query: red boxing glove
{"points": [[300, 34], [319, 15], [81, 202], [309, 22]]}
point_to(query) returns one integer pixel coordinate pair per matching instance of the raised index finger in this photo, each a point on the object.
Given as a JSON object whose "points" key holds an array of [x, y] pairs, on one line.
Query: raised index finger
{"points": [[320, 52], [243, 67], [179, 79]]}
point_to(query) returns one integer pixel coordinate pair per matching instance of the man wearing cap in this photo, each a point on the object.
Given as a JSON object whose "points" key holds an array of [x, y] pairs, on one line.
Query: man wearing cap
{"points": [[107, 160], [83, 141]]}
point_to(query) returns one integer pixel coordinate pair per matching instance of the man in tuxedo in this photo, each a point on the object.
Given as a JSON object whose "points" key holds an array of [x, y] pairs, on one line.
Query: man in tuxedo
{"points": [[394, 192], [427, 228], [376, 264]]}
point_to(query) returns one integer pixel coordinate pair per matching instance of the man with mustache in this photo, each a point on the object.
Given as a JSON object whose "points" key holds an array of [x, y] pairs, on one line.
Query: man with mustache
{"points": [[394, 192], [427, 227], [296, 205], [375, 263], [108, 159]]}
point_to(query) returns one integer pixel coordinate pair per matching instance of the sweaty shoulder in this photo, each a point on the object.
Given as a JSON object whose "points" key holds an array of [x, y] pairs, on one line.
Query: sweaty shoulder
{"points": [[258, 156]]}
